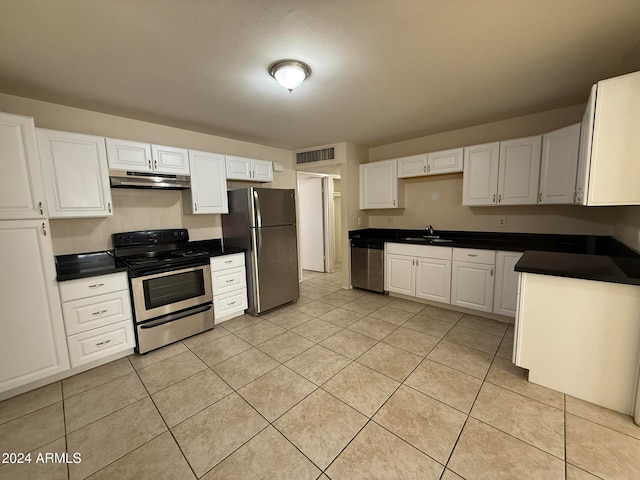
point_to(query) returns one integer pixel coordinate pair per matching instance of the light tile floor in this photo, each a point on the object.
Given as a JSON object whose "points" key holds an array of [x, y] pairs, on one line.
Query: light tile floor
{"points": [[344, 384]]}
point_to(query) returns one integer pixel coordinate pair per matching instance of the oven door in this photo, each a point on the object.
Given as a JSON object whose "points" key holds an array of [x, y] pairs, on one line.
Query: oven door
{"points": [[169, 292]]}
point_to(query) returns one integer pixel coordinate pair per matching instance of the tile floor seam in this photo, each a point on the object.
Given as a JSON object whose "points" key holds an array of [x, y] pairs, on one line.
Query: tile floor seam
{"points": [[582, 470], [520, 394], [608, 427], [518, 439], [305, 455], [453, 449], [346, 446], [409, 443]]}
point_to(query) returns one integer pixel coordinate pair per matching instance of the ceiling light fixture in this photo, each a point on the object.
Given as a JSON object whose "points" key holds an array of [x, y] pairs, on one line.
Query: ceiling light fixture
{"points": [[290, 73]]}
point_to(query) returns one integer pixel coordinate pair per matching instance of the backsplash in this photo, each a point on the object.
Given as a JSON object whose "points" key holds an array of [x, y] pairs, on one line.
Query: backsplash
{"points": [[133, 209]]}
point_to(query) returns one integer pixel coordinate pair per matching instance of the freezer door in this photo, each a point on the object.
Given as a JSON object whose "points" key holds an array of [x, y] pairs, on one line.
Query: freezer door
{"points": [[273, 207], [275, 265]]}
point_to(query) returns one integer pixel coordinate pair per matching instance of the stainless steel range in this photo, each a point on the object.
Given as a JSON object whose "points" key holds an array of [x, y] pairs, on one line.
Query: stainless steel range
{"points": [[170, 285]]}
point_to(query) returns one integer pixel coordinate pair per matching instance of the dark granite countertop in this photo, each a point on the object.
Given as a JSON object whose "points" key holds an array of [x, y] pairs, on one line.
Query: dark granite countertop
{"points": [[82, 265], [92, 264], [588, 257], [602, 268]]}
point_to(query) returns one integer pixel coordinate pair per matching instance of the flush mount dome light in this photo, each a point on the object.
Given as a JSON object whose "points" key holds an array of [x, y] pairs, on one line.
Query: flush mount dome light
{"points": [[290, 73]]}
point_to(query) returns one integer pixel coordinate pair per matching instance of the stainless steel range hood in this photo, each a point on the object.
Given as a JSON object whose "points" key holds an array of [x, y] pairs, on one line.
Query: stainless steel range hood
{"points": [[124, 179]]}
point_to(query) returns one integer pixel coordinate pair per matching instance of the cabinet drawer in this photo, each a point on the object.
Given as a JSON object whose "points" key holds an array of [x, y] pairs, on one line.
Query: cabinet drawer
{"points": [[472, 255], [227, 261], [93, 312], [98, 343], [228, 303], [89, 287], [228, 280], [426, 251]]}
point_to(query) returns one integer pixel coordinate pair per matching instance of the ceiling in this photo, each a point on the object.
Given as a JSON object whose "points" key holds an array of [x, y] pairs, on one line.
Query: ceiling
{"points": [[383, 70]]}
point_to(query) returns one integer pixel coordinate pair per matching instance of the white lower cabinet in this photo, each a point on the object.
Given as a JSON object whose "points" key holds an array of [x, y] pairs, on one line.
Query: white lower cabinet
{"points": [[580, 337], [483, 280], [32, 338], [472, 278], [506, 291], [419, 270], [433, 279], [229, 282], [97, 317]]}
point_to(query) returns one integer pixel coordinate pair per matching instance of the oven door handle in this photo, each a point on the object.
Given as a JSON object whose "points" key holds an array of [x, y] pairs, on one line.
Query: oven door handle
{"points": [[175, 316]]}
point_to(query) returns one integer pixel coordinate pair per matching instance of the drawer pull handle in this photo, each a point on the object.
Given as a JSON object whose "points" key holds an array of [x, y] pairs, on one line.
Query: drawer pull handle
{"points": [[102, 343], [96, 285], [228, 261], [230, 281], [472, 254], [231, 303], [99, 312]]}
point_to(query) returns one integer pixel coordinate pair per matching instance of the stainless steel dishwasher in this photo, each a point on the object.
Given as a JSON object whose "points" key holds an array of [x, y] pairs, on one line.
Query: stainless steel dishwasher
{"points": [[367, 265]]}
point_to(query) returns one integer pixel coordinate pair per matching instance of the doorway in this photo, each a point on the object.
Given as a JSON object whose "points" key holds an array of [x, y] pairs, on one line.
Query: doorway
{"points": [[319, 223]]}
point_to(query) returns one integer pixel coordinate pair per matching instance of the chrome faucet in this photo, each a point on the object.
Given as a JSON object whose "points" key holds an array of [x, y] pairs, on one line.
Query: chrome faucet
{"points": [[429, 229]]}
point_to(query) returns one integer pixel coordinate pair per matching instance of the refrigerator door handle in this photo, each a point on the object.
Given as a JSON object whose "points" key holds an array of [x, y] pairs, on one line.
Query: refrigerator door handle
{"points": [[257, 213], [255, 255]]}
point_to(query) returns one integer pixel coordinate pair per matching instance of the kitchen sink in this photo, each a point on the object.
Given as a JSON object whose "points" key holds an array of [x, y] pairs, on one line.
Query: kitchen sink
{"points": [[428, 238]]}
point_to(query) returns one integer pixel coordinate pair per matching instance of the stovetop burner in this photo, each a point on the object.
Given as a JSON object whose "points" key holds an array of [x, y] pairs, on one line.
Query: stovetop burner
{"points": [[153, 249]]}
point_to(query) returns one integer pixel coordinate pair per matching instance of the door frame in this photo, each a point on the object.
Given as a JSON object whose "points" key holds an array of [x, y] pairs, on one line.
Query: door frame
{"points": [[328, 216]]}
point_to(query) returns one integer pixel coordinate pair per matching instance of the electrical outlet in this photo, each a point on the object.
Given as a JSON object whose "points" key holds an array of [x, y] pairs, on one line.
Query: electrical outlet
{"points": [[359, 221], [502, 222], [390, 220]]}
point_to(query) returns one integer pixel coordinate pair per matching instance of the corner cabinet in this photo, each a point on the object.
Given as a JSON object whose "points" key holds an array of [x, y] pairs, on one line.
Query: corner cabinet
{"points": [[21, 190], [249, 169], [32, 344], [208, 192], [559, 165], [608, 168], [506, 291], [144, 157], [76, 176], [379, 185]]}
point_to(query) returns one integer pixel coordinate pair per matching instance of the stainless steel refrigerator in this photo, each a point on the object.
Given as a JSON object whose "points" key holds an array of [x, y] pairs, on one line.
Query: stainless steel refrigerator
{"points": [[263, 222]]}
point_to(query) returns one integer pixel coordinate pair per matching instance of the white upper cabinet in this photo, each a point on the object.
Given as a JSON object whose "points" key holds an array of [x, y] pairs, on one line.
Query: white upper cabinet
{"points": [[249, 169], [21, 191], [505, 173], [611, 168], [446, 161], [143, 157], [584, 151], [379, 185], [519, 171], [480, 179], [76, 175], [412, 166], [434, 163], [558, 165], [208, 192]]}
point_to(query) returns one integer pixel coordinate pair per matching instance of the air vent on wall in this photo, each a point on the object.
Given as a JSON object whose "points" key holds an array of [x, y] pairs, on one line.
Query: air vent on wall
{"points": [[315, 155]]}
